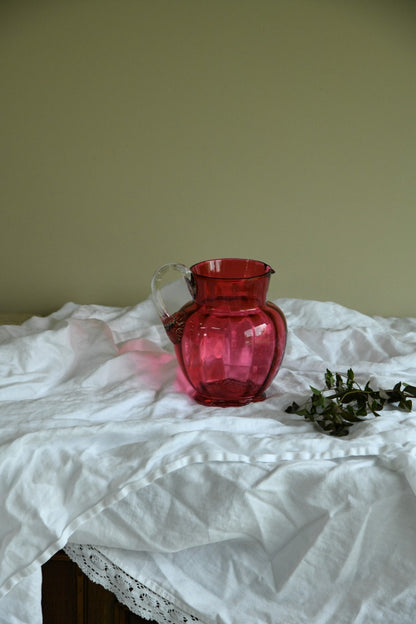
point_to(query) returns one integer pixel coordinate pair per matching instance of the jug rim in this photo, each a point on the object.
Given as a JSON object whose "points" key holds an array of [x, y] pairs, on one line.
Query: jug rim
{"points": [[213, 266]]}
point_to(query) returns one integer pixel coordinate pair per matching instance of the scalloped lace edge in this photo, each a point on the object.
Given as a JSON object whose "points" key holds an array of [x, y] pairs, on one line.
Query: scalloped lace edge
{"points": [[138, 598]]}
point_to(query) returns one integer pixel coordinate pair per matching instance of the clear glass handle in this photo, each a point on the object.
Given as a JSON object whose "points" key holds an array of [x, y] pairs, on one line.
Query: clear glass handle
{"points": [[158, 279]]}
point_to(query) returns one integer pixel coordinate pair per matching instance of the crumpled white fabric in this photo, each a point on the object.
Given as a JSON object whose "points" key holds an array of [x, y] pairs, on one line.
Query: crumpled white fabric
{"points": [[297, 542], [96, 430]]}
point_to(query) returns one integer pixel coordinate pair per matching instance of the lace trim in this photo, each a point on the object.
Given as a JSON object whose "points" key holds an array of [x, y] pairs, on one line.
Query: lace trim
{"points": [[138, 598]]}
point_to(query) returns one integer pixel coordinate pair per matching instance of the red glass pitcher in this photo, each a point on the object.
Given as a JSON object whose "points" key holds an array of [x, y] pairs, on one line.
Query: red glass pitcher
{"points": [[228, 340]]}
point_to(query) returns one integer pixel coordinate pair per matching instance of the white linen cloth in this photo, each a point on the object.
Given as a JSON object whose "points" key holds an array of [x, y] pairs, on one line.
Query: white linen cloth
{"points": [[237, 514]]}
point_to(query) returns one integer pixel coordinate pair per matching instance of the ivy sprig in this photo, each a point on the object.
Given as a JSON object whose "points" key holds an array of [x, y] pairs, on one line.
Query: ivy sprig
{"points": [[344, 402]]}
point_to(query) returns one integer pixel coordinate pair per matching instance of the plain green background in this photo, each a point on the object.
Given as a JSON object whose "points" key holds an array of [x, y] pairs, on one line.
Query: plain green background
{"points": [[135, 133]]}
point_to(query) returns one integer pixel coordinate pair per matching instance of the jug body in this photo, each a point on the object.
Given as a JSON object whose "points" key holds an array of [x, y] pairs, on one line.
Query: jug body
{"points": [[229, 341]]}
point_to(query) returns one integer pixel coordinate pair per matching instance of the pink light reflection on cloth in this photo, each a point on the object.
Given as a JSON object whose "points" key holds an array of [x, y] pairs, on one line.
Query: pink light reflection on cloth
{"points": [[154, 366]]}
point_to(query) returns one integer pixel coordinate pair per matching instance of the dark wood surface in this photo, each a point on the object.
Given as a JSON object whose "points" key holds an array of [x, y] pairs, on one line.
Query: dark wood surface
{"points": [[69, 597]]}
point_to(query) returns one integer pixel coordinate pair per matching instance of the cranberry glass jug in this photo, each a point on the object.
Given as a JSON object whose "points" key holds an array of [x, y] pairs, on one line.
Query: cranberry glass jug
{"points": [[228, 340]]}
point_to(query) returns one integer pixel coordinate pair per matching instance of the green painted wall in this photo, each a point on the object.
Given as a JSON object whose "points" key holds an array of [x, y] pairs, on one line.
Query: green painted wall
{"points": [[135, 133]]}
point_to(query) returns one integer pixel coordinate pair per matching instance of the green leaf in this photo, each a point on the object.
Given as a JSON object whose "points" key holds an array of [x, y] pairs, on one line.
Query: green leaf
{"points": [[410, 390], [292, 409], [329, 379], [348, 397], [406, 404], [350, 378]]}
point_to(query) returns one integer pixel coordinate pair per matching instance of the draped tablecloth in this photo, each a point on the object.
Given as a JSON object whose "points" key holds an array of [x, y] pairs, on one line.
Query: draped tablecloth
{"points": [[190, 513]]}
